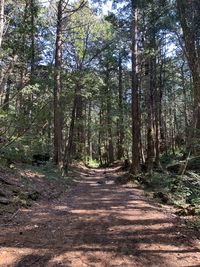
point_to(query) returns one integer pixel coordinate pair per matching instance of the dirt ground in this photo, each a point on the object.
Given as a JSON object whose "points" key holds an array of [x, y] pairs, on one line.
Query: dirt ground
{"points": [[98, 224]]}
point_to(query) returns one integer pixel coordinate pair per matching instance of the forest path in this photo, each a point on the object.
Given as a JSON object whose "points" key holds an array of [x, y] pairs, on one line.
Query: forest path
{"points": [[97, 224]]}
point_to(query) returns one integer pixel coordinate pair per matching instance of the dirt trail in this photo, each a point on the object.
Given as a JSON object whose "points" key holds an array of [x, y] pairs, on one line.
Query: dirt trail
{"points": [[97, 224]]}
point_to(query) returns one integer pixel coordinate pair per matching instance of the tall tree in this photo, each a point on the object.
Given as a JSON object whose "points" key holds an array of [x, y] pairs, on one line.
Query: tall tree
{"points": [[120, 149], [58, 86], [1, 20], [33, 13], [135, 168]]}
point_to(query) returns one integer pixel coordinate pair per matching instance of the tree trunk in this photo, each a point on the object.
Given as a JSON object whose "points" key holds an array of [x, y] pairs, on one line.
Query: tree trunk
{"points": [[58, 87], [185, 103], [99, 137], [69, 144], [1, 20], [159, 104], [32, 40], [135, 167], [109, 120], [120, 149], [151, 114], [158, 115], [89, 141], [157, 129], [80, 133], [7, 73], [6, 102]]}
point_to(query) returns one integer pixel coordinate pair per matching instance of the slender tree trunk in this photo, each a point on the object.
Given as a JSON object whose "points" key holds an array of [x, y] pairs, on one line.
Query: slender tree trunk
{"points": [[157, 129], [80, 129], [22, 59], [109, 120], [185, 103], [32, 37], [120, 149], [19, 99], [6, 102], [151, 114], [142, 145], [80, 133], [89, 141], [99, 137], [172, 131], [166, 135], [175, 124], [7, 73], [69, 145], [32, 40], [58, 87], [1, 20], [158, 113], [160, 109], [135, 167]]}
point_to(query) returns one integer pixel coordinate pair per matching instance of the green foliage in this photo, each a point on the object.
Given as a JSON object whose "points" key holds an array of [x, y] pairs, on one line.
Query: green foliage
{"points": [[92, 163], [93, 45], [15, 152], [166, 159], [48, 172], [174, 189]]}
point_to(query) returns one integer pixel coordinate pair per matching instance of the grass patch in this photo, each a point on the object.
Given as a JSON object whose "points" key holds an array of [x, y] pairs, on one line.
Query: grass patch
{"points": [[92, 163]]}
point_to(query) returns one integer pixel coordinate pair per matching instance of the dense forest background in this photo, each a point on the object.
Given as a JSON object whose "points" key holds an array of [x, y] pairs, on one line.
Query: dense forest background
{"points": [[79, 83], [99, 131]]}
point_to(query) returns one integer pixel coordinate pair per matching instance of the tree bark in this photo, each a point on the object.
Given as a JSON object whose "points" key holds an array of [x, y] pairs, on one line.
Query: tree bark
{"points": [[135, 167], [80, 131], [99, 137], [58, 87], [32, 7], [1, 20], [69, 145], [185, 103], [151, 114], [89, 133], [120, 149], [7, 73], [6, 102], [110, 149]]}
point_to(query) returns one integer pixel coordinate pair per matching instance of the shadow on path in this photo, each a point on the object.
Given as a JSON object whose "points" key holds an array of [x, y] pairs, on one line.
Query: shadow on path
{"points": [[97, 225]]}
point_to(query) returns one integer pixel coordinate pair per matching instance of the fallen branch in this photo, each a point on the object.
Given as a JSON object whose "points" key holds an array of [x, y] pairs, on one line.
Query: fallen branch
{"points": [[10, 219], [14, 214]]}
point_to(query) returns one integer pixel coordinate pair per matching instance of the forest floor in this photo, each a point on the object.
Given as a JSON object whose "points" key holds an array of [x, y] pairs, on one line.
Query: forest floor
{"points": [[97, 223]]}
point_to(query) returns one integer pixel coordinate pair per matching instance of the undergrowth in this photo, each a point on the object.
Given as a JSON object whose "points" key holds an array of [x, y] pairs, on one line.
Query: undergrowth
{"points": [[30, 184], [180, 191]]}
